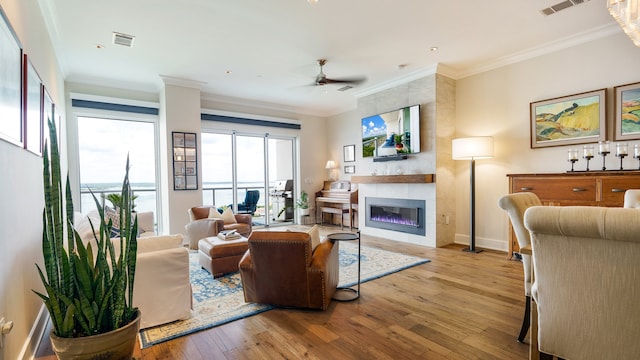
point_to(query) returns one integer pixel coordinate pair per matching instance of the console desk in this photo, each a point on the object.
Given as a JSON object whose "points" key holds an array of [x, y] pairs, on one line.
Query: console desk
{"points": [[592, 188]]}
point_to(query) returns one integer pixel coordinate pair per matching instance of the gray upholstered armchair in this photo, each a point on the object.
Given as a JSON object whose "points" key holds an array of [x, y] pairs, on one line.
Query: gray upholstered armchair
{"points": [[586, 285]]}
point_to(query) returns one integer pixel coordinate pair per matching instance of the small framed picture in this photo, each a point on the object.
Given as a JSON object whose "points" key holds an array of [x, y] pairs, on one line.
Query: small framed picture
{"points": [[627, 112], [350, 169], [190, 140], [192, 183], [178, 139], [191, 168], [179, 183], [349, 153]]}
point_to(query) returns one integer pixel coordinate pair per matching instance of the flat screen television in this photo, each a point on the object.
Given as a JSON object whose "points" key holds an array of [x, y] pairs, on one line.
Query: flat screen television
{"points": [[392, 133]]}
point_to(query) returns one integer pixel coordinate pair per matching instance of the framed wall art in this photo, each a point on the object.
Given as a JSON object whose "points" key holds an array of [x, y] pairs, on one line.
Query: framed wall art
{"points": [[11, 83], [569, 120], [349, 153], [627, 112], [350, 169], [185, 162], [33, 108]]}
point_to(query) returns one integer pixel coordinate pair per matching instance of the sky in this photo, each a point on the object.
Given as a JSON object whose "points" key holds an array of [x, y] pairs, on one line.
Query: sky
{"points": [[373, 125], [104, 145]]}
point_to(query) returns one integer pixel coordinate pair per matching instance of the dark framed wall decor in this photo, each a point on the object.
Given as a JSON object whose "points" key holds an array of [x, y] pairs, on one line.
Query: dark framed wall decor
{"points": [[185, 161], [11, 82], [33, 108]]}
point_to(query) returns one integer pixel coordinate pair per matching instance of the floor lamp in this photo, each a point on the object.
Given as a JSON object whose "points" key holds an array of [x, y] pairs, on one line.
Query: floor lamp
{"points": [[472, 148]]}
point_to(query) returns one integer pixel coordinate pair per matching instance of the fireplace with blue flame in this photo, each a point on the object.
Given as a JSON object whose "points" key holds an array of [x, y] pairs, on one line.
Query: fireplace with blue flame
{"points": [[403, 215]]}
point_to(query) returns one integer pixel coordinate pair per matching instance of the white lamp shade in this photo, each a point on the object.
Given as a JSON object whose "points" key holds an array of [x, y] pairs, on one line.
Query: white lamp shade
{"points": [[478, 147], [330, 165]]}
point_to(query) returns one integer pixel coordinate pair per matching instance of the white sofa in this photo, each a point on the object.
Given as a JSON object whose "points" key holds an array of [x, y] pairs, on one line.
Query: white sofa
{"points": [[162, 289]]}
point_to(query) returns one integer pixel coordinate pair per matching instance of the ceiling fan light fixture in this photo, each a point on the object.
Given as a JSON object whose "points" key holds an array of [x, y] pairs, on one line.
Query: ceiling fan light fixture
{"points": [[312, 1]]}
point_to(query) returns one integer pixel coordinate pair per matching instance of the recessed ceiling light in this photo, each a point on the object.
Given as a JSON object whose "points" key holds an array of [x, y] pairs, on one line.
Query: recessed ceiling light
{"points": [[433, 48], [228, 72], [312, 1], [99, 46]]}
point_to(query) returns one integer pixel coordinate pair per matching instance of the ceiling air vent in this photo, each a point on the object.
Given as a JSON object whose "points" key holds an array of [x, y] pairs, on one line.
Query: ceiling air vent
{"points": [[345, 88], [561, 6], [123, 39]]}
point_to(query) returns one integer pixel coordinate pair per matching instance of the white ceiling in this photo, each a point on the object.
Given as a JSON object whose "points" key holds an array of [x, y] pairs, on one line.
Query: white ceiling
{"points": [[270, 47]]}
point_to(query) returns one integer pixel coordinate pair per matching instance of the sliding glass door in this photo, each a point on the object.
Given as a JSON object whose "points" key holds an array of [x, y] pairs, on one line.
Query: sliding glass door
{"points": [[240, 170]]}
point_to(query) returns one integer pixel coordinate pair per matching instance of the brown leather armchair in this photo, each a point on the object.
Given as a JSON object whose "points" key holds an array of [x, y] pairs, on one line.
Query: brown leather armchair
{"points": [[280, 269], [201, 226]]}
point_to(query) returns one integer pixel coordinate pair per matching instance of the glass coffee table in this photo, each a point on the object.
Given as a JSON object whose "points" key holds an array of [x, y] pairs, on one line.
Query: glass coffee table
{"points": [[347, 293]]}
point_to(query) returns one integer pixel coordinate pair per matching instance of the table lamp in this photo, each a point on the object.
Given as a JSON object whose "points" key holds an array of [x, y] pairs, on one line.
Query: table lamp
{"points": [[472, 148], [330, 166]]}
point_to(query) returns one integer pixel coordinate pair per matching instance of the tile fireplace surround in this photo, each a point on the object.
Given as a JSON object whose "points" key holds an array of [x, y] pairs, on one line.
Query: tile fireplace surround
{"points": [[419, 187]]}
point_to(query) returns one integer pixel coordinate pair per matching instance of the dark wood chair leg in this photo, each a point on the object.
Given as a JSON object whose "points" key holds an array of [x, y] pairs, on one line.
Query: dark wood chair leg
{"points": [[544, 356], [526, 321]]}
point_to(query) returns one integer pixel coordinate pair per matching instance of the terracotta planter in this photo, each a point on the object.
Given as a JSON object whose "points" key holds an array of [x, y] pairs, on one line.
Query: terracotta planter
{"points": [[117, 344]]}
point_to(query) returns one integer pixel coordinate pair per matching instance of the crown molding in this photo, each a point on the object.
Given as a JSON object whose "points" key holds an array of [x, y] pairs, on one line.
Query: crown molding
{"points": [[547, 48], [176, 81], [415, 75]]}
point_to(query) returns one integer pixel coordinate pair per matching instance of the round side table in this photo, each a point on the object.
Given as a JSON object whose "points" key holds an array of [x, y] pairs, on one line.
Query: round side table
{"points": [[347, 293]]}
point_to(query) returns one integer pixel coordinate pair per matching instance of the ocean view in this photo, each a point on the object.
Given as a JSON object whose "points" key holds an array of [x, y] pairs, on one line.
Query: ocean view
{"points": [[146, 194]]}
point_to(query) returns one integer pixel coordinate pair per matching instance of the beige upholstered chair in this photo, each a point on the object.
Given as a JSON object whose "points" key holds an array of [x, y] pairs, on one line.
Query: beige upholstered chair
{"points": [[632, 198], [201, 225], [586, 285], [515, 205]]}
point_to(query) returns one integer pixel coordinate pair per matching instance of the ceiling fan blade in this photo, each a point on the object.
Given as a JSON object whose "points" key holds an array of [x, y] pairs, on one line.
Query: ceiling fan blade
{"points": [[353, 80], [321, 78]]}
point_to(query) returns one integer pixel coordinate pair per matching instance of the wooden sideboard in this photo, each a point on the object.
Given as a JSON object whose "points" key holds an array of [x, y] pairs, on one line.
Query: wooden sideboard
{"points": [[592, 188]]}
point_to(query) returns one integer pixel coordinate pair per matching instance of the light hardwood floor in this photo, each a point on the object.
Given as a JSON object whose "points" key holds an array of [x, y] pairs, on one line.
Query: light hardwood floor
{"points": [[458, 306]]}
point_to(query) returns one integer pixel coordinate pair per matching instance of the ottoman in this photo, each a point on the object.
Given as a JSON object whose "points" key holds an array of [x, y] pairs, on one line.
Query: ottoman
{"points": [[221, 256]]}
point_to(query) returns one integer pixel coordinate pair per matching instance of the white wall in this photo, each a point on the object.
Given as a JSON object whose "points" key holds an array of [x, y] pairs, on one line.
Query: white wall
{"points": [[21, 193], [496, 103]]}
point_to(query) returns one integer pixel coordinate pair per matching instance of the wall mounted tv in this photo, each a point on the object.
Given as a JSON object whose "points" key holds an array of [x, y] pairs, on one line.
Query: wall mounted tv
{"points": [[392, 134]]}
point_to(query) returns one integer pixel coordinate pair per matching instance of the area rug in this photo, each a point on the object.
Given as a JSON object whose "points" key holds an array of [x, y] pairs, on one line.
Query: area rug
{"points": [[219, 301]]}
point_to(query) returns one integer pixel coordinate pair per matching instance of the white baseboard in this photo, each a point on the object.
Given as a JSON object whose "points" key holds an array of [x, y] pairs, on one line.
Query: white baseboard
{"points": [[32, 342], [484, 243]]}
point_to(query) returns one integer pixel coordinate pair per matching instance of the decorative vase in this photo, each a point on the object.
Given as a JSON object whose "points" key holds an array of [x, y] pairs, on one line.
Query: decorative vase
{"points": [[117, 344]]}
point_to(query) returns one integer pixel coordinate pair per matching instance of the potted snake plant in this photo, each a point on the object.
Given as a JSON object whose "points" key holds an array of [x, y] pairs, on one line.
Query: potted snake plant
{"points": [[88, 291]]}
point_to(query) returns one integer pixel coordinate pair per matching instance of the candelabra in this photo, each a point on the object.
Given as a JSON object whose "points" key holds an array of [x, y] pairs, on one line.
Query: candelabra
{"points": [[573, 157], [621, 152], [603, 149], [588, 154]]}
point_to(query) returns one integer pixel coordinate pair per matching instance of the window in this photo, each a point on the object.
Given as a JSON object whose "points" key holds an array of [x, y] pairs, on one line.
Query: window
{"points": [[103, 146]]}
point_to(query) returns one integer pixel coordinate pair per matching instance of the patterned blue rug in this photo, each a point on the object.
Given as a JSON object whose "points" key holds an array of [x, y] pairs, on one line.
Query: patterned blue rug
{"points": [[219, 301]]}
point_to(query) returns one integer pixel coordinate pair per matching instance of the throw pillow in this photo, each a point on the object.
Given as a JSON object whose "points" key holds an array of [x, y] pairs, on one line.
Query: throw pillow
{"points": [[314, 232], [113, 215], [228, 217], [214, 214]]}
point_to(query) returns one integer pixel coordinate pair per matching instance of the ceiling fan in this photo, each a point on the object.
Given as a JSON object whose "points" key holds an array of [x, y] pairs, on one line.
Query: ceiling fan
{"points": [[322, 79]]}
